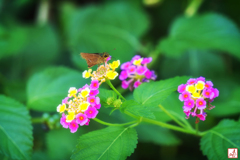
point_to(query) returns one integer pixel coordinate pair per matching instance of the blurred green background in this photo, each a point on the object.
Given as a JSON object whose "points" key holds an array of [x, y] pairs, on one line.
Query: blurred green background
{"points": [[40, 42]]}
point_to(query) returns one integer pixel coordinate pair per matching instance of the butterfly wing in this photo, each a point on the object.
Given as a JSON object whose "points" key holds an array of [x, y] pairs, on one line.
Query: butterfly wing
{"points": [[91, 58]]}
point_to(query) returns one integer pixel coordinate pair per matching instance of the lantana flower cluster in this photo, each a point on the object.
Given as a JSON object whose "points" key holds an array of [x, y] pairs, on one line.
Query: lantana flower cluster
{"points": [[136, 72], [103, 72], [197, 96], [79, 106]]}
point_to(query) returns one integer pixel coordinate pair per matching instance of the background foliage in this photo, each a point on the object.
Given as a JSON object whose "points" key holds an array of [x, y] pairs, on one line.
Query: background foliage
{"points": [[40, 42]]}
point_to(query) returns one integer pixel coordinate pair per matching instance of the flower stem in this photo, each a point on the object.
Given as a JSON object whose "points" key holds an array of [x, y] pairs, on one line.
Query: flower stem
{"points": [[193, 7], [169, 114], [37, 120], [169, 126], [114, 124], [114, 89], [196, 127]]}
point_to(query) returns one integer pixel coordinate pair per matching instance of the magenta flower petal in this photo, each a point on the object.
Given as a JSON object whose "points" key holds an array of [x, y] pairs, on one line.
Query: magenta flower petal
{"points": [[125, 84], [87, 122], [131, 70], [208, 93], [216, 92], [94, 85], [136, 57], [97, 100], [202, 116], [208, 84], [141, 70], [181, 88], [136, 84], [125, 65], [91, 100], [123, 75], [65, 100], [98, 106], [81, 119], [63, 121], [148, 74], [109, 58], [189, 103], [184, 96], [201, 103], [200, 79], [73, 126], [191, 81], [93, 92], [147, 60], [91, 112]]}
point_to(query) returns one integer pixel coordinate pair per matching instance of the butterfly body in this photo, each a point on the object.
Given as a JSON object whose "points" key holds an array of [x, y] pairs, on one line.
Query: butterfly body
{"points": [[94, 58]]}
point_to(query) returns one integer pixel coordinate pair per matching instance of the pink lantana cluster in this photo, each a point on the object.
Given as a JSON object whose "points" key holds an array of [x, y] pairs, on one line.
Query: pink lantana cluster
{"points": [[136, 72], [80, 106], [197, 95]]}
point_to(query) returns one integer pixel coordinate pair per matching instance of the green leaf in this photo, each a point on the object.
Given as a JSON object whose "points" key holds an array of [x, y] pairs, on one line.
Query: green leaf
{"points": [[102, 32], [207, 31], [12, 40], [104, 95], [153, 93], [156, 135], [174, 106], [109, 143], [229, 106], [137, 109], [45, 90], [216, 142], [42, 46], [15, 129], [194, 63], [61, 140]]}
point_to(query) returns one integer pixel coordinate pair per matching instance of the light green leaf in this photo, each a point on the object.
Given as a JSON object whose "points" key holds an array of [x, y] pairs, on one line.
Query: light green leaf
{"points": [[156, 135], [92, 29], [15, 129], [216, 142], [112, 143], [137, 109], [45, 90], [153, 93], [207, 31]]}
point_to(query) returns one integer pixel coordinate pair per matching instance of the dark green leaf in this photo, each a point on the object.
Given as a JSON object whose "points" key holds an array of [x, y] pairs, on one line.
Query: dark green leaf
{"points": [[15, 129], [61, 140], [207, 31], [45, 90], [112, 143], [216, 142], [153, 93], [156, 135], [229, 106], [137, 109], [93, 29]]}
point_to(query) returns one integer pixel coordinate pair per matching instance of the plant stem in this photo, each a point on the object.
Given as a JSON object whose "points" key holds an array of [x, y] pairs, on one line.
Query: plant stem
{"points": [[196, 127], [169, 114], [114, 89], [169, 126], [115, 124], [37, 120], [193, 7]]}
